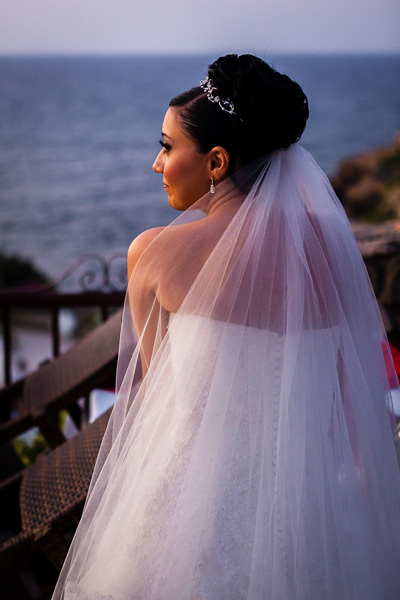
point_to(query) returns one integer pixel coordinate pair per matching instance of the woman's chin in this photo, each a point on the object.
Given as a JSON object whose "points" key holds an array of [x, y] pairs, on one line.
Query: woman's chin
{"points": [[173, 204]]}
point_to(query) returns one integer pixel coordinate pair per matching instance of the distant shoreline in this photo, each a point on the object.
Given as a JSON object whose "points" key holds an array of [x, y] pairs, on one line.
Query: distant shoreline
{"points": [[209, 55]]}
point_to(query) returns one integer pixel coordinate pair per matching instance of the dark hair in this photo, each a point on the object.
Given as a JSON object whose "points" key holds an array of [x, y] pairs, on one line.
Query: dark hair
{"points": [[271, 109]]}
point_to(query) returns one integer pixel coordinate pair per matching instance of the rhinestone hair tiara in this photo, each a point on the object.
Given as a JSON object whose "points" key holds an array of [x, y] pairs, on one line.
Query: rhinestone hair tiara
{"points": [[212, 95]]}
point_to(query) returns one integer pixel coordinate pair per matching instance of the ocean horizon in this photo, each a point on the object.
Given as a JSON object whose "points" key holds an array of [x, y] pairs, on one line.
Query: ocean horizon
{"points": [[78, 135]]}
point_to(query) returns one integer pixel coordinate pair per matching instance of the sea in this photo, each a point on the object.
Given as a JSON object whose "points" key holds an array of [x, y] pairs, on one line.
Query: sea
{"points": [[78, 136]]}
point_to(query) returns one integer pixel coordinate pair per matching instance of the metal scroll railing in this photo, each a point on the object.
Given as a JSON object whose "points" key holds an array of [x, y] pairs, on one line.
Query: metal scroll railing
{"points": [[92, 282]]}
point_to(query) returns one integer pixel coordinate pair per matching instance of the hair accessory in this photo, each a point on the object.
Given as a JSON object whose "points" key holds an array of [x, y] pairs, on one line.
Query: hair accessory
{"points": [[212, 186], [211, 91]]}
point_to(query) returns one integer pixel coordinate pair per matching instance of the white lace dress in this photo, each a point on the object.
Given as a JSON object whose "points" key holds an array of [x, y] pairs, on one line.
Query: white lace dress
{"points": [[198, 509]]}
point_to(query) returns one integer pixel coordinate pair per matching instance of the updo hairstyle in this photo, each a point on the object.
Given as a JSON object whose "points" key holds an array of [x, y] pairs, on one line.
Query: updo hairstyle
{"points": [[271, 110]]}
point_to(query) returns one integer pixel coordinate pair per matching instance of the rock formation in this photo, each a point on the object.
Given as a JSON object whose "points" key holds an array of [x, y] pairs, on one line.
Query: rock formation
{"points": [[368, 186]]}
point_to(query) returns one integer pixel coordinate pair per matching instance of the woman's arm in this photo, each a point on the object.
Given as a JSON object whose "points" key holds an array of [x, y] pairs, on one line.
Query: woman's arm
{"points": [[146, 312]]}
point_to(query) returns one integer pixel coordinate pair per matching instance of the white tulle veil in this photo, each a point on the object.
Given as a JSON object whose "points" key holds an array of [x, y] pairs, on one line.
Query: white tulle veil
{"points": [[255, 460]]}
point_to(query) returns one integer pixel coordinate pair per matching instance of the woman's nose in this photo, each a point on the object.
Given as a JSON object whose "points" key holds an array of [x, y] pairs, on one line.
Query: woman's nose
{"points": [[158, 165]]}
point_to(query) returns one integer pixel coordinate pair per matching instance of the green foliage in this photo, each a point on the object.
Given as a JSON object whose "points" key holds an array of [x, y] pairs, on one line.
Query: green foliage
{"points": [[28, 446], [16, 271], [29, 449], [380, 214], [389, 168]]}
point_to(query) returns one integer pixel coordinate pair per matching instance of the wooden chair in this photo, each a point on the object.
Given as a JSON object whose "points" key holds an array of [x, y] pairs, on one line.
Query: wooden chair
{"points": [[59, 384], [41, 507]]}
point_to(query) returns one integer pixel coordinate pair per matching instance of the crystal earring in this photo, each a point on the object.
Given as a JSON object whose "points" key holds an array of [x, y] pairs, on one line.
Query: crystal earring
{"points": [[212, 186]]}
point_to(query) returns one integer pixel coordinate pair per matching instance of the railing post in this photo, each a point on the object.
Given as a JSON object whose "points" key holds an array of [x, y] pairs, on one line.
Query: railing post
{"points": [[7, 344], [104, 312], [55, 330]]}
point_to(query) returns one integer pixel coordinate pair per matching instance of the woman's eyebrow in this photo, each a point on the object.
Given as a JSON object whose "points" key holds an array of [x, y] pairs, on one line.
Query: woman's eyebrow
{"points": [[166, 136]]}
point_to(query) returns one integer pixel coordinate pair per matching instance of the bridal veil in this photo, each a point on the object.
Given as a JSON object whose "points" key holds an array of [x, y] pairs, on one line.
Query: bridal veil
{"points": [[255, 460]]}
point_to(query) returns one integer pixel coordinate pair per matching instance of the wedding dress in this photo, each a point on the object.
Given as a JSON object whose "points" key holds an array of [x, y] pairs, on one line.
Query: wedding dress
{"points": [[256, 460]]}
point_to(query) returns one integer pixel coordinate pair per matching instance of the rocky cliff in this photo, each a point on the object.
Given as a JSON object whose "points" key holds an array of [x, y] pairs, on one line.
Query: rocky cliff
{"points": [[368, 186]]}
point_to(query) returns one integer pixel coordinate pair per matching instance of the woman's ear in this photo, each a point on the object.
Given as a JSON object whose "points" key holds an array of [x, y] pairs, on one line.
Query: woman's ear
{"points": [[218, 163]]}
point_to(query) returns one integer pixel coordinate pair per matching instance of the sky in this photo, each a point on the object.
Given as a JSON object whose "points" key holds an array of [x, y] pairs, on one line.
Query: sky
{"points": [[198, 26]]}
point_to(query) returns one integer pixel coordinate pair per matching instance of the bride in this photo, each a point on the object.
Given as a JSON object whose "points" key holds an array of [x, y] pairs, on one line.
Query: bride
{"points": [[256, 459]]}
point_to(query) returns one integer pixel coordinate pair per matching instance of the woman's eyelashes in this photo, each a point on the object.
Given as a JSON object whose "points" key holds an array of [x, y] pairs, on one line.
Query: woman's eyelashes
{"points": [[166, 146]]}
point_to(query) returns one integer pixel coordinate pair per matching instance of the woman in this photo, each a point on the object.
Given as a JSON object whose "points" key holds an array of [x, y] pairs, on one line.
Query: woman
{"points": [[256, 460]]}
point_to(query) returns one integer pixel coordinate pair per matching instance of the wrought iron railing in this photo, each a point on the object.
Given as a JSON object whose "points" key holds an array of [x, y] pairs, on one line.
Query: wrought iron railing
{"points": [[92, 282]]}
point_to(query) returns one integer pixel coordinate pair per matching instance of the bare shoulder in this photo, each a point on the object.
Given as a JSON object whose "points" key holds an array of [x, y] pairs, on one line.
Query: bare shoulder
{"points": [[166, 264], [170, 254], [139, 245]]}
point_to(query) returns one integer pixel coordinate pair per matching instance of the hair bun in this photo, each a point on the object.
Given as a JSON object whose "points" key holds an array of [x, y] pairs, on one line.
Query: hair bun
{"points": [[274, 108]]}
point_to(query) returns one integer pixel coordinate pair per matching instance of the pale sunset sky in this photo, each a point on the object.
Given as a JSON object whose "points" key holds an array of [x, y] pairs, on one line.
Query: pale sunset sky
{"points": [[198, 26]]}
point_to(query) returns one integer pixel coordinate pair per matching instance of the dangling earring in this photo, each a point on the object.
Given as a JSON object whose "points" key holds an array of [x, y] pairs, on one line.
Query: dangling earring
{"points": [[212, 186]]}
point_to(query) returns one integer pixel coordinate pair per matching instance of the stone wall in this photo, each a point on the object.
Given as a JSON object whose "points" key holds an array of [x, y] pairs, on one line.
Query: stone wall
{"points": [[380, 248]]}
